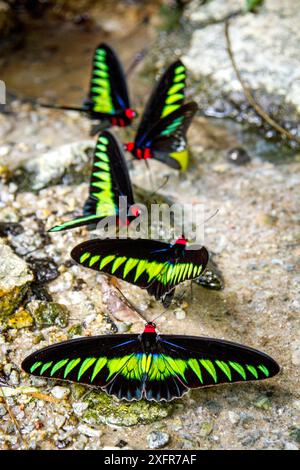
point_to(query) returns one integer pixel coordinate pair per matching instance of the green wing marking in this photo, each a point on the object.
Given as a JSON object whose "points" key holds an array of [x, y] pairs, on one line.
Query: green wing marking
{"points": [[103, 197], [100, 91], [175, 93]]}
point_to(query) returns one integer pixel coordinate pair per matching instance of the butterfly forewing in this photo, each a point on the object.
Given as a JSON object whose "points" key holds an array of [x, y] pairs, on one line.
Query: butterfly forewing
{"points": [[166, 97], [108, 89], [109, 181]]}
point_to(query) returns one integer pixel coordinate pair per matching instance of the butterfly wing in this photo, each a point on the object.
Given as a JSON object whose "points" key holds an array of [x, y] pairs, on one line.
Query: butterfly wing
{"points": [[148, 264], [135, 261], [167, 138], [108, 89], [161, 369], [108, 362], [109, 181], [187, 267], [166, 97], [184, 362]]}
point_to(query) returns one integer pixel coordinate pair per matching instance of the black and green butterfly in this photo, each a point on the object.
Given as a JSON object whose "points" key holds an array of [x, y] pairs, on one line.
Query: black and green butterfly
{"points": [[148, 365], [108, 99], [109, 181], [153, 265], [162, 131]]}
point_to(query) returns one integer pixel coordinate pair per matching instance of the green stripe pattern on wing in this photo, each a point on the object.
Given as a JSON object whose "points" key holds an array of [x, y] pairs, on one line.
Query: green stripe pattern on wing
{"points": [[101, 85], [175, 92], [150, 367]]}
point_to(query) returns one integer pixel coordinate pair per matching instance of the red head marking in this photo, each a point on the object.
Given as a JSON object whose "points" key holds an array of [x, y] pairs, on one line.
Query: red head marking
{"points": [[150, 328], [135, 211], [130, 113], [129, 147], [181, 240]]}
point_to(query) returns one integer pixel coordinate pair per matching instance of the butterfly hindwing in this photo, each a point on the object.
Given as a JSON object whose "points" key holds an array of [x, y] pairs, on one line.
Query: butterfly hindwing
{"points": [[109, 181], [167, 137], [166, 97], [108, 89]]}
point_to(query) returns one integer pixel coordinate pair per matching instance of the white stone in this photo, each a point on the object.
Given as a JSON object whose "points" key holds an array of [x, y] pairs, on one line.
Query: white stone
{"points": [[60, 392], [88, 431]]}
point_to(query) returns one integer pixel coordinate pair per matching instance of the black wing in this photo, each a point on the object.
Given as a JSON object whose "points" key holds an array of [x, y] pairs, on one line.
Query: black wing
{"points": [[108, 88], [167, 138], [185, 362], [146, 263], [102, 361], [109, 181], [166, 97]]}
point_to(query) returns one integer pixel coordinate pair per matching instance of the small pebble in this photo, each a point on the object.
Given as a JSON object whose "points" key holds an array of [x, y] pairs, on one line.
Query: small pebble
{"points": [[263, 403], [88, 431], [2, 410], [157, 439], [238, 156], [60, 392], [233, 417], [59, 421], [179, 314], [205, 429], [290, 446], [79, 407], [14, 377]]}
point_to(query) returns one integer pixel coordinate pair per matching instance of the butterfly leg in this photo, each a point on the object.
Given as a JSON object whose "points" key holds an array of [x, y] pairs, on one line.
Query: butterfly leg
{"points": [[99, 127], [149, 173], [130, 304]]}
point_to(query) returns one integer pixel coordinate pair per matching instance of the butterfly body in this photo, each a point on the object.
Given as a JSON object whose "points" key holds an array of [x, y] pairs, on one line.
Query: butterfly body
{"points": [[149, 365], [153, 265]]}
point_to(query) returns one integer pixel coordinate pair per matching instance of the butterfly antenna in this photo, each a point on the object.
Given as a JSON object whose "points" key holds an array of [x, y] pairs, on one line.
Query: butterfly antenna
{"points": [[149, 173], [137, 58], [211, 216], [159, 315], [161, 186], [61, 107], [99, 128], [131, 305]]}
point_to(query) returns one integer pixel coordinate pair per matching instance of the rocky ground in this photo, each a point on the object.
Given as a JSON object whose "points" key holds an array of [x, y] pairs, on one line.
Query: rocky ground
{"points": [[45, 297]]}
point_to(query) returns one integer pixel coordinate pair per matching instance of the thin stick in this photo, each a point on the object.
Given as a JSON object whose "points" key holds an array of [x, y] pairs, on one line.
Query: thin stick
{"points": [[149, 173], [161, 186], [248, 93], [137, 58], [12, 417]]}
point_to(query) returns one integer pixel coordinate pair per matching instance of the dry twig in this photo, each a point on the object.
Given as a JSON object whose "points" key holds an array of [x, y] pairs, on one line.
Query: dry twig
{"points": [[249, 95]]}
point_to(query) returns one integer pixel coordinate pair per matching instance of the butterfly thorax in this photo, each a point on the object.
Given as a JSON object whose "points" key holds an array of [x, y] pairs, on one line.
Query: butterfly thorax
{"points": [[123, 118], [179, 248], [139, 153], [148, 339]]}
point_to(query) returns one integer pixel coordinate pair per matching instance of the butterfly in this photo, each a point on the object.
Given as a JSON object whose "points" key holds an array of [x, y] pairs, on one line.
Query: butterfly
{"points": [[153, 265], [162, 131], [108, 99], [109, 181], [149, 365]]}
